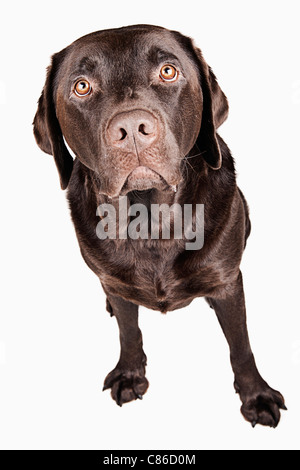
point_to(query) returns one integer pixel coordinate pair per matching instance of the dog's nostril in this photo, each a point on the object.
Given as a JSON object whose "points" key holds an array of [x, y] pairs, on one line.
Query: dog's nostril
{"points": [[123, 134], [142, 130]]}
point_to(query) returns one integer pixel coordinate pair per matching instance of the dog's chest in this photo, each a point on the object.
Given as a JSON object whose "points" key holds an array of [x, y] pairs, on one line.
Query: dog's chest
{"points": [[158, 278]]}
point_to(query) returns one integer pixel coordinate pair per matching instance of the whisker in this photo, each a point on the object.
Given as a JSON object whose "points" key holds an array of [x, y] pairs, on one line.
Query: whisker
{"points": [[197, 155], [187, 162]]}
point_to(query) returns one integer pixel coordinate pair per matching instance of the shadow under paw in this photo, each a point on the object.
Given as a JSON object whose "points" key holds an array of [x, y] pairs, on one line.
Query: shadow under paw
{"points": [[126, 385]]}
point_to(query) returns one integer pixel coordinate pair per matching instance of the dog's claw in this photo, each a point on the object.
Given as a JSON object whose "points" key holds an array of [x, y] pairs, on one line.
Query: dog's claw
{"points": [[254, 423], [139, 396]]}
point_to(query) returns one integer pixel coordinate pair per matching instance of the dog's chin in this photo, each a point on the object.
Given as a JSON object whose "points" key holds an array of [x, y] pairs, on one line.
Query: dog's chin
{"points": [[143, 179]]}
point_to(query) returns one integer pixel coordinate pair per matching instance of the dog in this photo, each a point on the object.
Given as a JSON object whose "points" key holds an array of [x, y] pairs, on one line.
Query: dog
{"points": [[139, 108]]}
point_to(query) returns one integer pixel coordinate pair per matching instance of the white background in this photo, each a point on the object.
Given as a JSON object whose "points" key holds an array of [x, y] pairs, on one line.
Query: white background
{"points": [[57, 342]]}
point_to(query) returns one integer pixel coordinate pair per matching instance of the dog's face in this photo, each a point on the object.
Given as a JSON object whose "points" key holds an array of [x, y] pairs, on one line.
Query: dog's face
{"points": [[131, 104]]}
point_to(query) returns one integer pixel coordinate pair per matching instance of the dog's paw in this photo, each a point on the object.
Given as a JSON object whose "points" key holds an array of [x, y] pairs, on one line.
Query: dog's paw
{"points": [[126, 385], [263, 408]]}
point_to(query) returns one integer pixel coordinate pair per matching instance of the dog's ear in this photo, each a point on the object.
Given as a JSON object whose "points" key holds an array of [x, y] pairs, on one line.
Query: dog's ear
{"points": [[219, 101], [46, 127], [215, 105], [214, 113]]}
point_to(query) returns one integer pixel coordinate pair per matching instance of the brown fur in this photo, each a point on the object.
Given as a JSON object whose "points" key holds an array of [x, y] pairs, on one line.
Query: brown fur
{"points": [[159, 274]]}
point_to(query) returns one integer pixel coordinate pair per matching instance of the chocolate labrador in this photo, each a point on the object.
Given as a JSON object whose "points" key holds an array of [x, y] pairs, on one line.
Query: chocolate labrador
{"points": [[139, 108]]}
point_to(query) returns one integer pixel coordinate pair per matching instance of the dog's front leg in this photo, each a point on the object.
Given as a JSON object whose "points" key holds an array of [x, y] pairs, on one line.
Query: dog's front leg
{"points": [[261, 403], [127, 381]]}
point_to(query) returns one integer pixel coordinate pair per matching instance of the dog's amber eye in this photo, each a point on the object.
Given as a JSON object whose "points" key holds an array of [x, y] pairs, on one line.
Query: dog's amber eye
{"points": [[82, 88], [168, 73]]}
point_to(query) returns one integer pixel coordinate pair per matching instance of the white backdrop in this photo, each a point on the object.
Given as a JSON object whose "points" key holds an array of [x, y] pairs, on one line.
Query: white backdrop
{"points": [[57, 342]]}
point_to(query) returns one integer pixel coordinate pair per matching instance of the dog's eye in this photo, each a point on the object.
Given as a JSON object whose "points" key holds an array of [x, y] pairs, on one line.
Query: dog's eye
{"points": [[169, 73], [82, 88]]}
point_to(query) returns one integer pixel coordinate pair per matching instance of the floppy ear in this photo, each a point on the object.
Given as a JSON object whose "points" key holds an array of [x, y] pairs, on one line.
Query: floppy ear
{"points": [[46, 128], [215, 112]]}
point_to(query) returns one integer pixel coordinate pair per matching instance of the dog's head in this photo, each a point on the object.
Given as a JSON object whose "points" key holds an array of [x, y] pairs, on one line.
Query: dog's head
{"points": [[130, 103]]}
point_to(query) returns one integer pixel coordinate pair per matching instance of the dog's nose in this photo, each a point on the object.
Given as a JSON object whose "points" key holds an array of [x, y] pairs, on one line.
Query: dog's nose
{"points": [[132, 131]]}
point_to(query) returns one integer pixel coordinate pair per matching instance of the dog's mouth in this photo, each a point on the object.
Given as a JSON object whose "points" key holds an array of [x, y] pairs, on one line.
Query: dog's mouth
{"points": [[143, 178]]}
